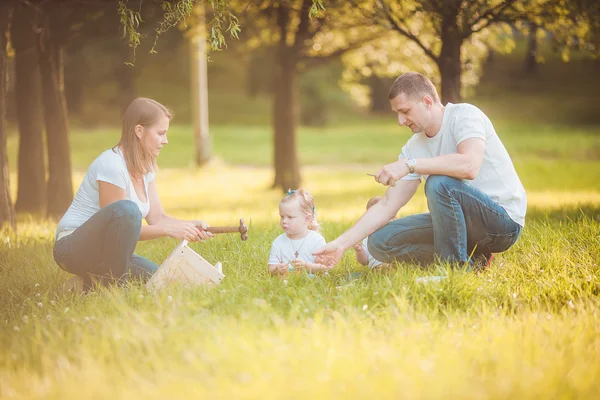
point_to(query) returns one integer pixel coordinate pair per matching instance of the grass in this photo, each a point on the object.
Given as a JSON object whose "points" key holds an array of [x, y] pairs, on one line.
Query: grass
{"points": [[527, 328], [524, 329]]}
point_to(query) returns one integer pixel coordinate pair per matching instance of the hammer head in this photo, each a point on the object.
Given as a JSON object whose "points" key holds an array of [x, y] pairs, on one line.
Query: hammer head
{"points": [[243, 229]]}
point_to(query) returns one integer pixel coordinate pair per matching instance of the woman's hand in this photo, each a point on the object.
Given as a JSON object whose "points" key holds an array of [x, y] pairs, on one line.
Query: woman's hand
{"points": [[203, 226], [185, 230]]}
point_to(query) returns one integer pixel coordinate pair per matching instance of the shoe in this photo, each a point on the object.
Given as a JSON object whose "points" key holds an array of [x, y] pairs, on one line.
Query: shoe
{"points": [[482, 261]]}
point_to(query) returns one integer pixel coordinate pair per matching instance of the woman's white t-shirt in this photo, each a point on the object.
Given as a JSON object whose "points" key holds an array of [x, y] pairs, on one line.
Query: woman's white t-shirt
{"points": [[109, 167], [283, 249]]}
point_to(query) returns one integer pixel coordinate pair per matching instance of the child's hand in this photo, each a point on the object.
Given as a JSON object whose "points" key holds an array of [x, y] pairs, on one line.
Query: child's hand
{"points": [[358, 247], [299, 264], [282, 268]]}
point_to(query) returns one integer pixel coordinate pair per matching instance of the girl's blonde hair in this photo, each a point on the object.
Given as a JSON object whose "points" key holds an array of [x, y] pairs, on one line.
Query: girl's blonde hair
{"points": [[145, 112], [307, 205]]}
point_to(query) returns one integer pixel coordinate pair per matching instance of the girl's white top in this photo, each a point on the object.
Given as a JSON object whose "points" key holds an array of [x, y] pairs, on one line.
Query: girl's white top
{"points": [[108, 167], [283, 248]]}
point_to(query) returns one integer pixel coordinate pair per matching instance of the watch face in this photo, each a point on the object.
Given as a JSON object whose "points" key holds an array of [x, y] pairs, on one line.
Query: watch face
{"points": [[411, 162]]}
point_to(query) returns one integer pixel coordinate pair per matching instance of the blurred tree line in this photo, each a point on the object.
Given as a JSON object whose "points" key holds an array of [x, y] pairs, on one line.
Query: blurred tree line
{"points": [[56, 47]]}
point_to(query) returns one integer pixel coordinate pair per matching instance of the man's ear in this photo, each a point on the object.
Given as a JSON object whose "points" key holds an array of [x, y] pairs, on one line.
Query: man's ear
{"points": [[428, 101], [139, 131]]}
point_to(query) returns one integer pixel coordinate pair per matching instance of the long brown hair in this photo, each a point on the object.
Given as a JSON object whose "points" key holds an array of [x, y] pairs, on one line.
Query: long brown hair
{"points": [[145, 112]]}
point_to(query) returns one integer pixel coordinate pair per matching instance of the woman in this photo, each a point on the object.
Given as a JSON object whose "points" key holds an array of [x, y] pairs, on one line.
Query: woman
{"points": [[96, 237]]}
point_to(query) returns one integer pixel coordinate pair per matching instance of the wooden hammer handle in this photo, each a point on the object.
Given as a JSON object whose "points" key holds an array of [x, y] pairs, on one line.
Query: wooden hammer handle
{"points": [[223, 229]]}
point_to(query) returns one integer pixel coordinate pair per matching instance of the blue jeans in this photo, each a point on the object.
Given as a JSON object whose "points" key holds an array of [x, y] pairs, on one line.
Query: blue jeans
{"points": [[461, 219], [102, 248]]}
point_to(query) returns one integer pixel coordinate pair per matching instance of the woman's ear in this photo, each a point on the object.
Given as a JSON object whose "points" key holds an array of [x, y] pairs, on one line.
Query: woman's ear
{"points": [[139, 131]]}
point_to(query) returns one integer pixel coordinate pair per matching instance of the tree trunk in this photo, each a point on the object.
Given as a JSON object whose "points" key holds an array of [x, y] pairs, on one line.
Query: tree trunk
{"points": [[379, 94], [60, 187], [125, 78], [7, 211], [450, 70], [532, 48], [75, 68], [199, 83], [449, 60], [287, 169], [31, 189]]}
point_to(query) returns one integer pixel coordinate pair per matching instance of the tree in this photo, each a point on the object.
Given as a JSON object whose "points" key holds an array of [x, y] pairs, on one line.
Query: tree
{"points": [[438, 30], [531, 54], [292, 28], [53, 33], [449, 39], [31, 182], [7, 212]]}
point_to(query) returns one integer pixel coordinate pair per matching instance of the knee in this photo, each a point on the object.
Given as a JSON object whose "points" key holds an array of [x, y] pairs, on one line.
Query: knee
{"points": [[128, 210], [438, 184]]}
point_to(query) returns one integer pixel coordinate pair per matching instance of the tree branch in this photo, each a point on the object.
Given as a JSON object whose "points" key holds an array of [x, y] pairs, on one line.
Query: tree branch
{"points": [[313, 61], [303, 32], [492, 15], [395, 25]]}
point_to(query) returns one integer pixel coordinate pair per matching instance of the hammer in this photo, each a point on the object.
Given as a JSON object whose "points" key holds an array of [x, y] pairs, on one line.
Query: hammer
{"points": [[242, 229]]}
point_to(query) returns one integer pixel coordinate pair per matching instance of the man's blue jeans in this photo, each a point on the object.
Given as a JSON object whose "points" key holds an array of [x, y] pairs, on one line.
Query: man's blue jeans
{"points": [[102, 248], [461, 218]]}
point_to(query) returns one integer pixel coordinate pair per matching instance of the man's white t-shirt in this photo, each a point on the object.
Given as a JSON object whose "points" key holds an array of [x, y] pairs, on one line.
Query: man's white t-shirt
{"points": [[373, 263], [109, 167], [497, 176], [283, 248]]}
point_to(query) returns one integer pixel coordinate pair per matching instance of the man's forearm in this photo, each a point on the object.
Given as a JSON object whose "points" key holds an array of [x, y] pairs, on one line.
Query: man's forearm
{"points": [[458, 166], [376, 217]]}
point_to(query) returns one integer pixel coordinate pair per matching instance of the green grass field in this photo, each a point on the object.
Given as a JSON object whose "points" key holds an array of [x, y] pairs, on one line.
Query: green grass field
{"points": [[527, 328]]}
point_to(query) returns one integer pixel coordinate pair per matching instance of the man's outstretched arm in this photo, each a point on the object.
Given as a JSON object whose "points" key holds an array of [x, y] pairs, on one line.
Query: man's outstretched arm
{"points": [[377, 216]]}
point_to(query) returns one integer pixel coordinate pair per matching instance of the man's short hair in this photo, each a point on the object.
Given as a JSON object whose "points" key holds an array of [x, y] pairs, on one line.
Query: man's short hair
{"points": [[414, 85]]}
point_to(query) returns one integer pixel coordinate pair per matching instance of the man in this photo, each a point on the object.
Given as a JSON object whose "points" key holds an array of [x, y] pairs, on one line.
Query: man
{"points": [[476, 201]]}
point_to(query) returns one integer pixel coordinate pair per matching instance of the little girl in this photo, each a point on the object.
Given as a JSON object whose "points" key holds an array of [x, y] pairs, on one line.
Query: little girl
{"points": [[292, 250]]}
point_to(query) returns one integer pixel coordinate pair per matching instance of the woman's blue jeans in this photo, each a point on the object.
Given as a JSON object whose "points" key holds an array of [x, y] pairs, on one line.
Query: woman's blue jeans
{"points": [[102, 248], [461, 219]]}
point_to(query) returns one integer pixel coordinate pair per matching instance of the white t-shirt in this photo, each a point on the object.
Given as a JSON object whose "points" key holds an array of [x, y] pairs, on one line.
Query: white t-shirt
{"points": [[283, 248], [373, 263], [497, 176], [108, 167]]}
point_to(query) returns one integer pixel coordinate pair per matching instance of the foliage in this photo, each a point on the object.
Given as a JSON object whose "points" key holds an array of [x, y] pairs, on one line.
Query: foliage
{"points": [[417, 30], [223, 20]]}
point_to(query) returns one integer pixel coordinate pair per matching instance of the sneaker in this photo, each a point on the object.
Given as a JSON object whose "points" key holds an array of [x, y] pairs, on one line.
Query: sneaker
{"points": [[482, 261]]}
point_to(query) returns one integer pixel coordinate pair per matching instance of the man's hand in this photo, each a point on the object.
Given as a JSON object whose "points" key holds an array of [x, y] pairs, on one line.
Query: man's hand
{"points": [[390, 173], [329, 255]]}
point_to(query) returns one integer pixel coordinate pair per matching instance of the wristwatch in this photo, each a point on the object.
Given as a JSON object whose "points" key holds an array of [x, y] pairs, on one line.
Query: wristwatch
{"points": [[411, 163]]}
